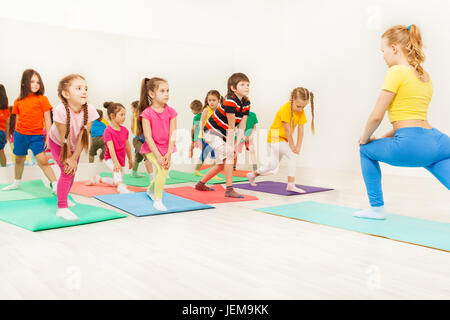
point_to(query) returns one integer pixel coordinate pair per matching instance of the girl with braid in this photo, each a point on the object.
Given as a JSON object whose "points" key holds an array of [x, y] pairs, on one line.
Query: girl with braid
{"points": [[32, 109], [69, 135], [405, 95], [280, 137], [117, 145], [158, 123]]}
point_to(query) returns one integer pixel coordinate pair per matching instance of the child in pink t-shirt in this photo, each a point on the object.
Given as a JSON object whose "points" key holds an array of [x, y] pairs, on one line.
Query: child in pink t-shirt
{"points": [[117, 146], [68, 136], [157, 121]]}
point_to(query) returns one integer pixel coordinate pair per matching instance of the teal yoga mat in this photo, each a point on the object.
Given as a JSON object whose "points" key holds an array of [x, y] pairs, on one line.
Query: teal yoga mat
{"points": [[40, 214], [33, 189], [421, 232]]}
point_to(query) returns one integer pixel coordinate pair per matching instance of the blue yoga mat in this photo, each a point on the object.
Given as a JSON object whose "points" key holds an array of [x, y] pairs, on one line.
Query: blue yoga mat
{"points": [[139, 203], [396, 227]]}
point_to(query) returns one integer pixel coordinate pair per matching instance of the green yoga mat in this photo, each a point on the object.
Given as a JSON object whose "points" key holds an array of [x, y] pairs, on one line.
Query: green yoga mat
{"points": [[421, 232], [141, 181], [190, 177], [33, 189], [175, 177], [40, 214]]}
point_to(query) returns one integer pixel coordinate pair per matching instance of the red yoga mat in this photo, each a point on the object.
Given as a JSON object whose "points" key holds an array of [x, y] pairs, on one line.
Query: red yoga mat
{"points": [[80, 188], [207, 197]]}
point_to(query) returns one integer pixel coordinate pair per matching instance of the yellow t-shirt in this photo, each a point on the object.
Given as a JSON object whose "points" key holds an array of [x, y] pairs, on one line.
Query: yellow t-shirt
{"points": [[105, 121], [412, 96], [209, 114], [284, 114]]}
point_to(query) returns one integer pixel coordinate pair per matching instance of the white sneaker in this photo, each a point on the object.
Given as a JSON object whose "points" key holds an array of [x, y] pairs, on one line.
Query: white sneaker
{"points": [[15, 185], [66, 214], [158, 205], [123, 189]]}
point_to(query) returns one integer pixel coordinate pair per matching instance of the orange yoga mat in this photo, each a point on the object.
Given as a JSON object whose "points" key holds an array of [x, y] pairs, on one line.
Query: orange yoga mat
{"points": [[80, 188], [236, 173], [207, 197]]}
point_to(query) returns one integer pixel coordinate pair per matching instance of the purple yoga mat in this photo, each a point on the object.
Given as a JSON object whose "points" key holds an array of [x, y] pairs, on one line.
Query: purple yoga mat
{"points": [[278, 188]]}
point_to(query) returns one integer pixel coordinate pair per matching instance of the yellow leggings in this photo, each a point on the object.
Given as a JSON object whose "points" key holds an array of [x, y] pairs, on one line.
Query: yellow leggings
{"points": [[160, 176]]}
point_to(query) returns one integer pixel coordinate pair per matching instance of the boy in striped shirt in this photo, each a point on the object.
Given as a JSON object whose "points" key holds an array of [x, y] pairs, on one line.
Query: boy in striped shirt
{"points": [[219, 131]]}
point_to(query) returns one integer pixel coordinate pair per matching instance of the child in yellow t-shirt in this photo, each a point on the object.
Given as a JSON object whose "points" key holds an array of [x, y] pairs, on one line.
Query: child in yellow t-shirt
{"points": [[280, 137]]}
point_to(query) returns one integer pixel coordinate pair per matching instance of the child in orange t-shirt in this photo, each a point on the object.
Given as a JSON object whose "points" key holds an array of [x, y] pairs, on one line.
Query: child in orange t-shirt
{"points": [[32, 109], [4, 124]]}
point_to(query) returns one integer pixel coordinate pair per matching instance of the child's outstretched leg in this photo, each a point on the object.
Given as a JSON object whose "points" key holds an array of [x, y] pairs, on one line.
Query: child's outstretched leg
{"points": [[116, 180], [18, 171], [156, 187], [201, 185], [274, 160]]}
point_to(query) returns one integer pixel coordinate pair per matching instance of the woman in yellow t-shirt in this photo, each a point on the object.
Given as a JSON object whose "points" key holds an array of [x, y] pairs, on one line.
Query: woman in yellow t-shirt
{"points": [[412, 142], [280, 138]]}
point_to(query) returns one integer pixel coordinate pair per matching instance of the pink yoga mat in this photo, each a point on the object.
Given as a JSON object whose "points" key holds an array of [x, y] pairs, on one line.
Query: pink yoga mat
{"points": [[278, 188], [207, 197], [80, 188]]}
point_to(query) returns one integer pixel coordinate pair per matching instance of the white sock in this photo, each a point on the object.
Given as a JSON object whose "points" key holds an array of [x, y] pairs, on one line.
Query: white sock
{"points": [[123, 188], [94, 180], [70, 203], [371, 213], [158, 205], [13, 186], [54, 187], [151, 194], [251, 177], [66, 214], [292, 187]]}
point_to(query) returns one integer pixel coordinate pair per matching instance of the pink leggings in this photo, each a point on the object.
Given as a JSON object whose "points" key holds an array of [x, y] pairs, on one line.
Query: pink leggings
{"points": [[65, 181]]}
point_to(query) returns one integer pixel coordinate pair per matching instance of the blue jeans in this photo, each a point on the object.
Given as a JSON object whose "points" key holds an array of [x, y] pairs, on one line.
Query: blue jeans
{"points": [[410, 147]]}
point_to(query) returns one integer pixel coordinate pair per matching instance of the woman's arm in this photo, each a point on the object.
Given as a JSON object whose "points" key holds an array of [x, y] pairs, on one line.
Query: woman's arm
{"points": [[377, 115]]}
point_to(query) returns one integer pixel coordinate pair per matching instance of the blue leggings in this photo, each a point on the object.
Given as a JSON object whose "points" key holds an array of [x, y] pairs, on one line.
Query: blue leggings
{"points": [[410, 147]]}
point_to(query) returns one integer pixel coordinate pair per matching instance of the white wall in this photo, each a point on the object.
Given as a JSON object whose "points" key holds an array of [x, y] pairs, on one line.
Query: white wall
{"points": [[327, 46]]}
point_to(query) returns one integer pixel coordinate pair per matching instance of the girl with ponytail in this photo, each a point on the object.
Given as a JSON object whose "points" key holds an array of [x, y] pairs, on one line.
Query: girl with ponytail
{"points": [[69, 136], [405, 95], [280, 138], [158, 123]]}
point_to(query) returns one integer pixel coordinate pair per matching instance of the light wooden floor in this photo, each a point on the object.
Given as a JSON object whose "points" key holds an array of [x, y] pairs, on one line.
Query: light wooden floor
{"points": [[232, 252]]}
